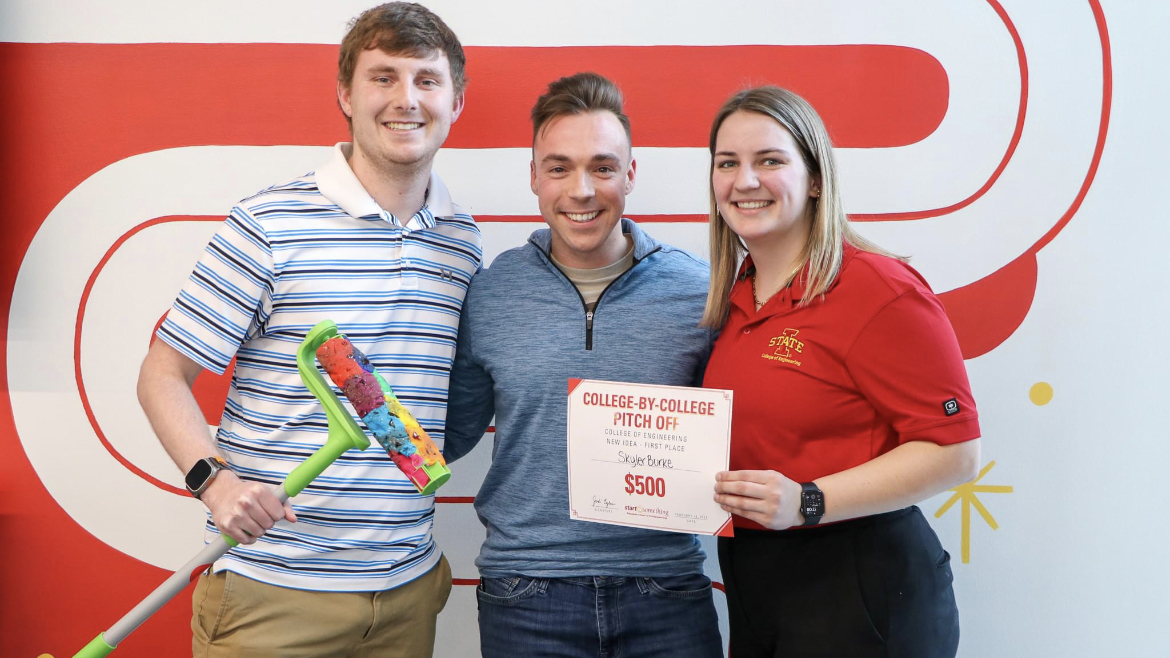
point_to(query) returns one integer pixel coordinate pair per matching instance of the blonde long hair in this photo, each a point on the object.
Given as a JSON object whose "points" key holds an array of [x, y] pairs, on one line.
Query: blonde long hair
{"points": [[830, 228]]}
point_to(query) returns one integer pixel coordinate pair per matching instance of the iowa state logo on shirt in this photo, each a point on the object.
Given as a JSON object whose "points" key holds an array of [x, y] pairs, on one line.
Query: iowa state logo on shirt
{"points": [[786, 348]]}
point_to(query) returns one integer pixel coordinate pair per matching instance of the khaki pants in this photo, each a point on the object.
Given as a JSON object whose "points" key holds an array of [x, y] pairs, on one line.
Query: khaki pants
{"points": [[235, 617]]}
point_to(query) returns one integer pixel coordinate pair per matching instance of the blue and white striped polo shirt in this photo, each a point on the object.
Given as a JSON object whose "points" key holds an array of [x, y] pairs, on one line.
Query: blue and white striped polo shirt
{"points": [[319, 247]]}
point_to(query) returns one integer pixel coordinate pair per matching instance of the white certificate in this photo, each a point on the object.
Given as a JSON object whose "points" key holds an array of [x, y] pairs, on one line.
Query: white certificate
{"points": [[646, 456]]}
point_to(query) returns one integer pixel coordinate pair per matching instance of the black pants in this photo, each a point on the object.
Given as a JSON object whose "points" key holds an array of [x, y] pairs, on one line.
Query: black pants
{"points": [[874, 586]]}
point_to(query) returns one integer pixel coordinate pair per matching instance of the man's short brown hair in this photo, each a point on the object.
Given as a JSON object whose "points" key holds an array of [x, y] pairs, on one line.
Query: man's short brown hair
{"points": [[401, 28], [577, 94]]}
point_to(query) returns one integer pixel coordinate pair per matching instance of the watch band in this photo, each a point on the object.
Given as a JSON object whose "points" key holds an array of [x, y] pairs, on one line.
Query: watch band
{"points": [[812, 503], [203, 473]]}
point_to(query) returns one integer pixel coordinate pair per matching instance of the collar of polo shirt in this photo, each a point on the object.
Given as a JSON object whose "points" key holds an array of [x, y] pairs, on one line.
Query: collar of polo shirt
{"points": [[337, 182]]}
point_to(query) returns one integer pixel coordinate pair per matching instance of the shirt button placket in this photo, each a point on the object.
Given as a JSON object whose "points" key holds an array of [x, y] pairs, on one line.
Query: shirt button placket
{"points": [[409, 279]]}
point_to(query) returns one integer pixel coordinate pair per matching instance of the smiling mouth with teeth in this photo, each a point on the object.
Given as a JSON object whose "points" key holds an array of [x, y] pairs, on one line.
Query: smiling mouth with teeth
{"points": [[751, 205], [582, 217], [394, 125]]}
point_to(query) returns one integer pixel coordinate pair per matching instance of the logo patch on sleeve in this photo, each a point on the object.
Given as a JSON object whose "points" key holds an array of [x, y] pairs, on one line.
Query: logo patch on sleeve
{"points": [[951, 406]]}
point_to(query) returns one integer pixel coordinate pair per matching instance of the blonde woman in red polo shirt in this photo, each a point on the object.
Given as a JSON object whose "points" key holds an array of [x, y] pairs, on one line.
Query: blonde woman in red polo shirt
{"points": [[851, 405]]}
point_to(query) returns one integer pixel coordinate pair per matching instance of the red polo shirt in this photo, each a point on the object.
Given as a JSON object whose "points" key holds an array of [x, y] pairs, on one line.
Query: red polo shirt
{"points": [[825, 387]]}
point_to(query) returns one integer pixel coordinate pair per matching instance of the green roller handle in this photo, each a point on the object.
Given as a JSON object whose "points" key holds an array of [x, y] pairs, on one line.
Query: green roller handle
{"points": [[343, 429], [344, 434], [96, 648]]}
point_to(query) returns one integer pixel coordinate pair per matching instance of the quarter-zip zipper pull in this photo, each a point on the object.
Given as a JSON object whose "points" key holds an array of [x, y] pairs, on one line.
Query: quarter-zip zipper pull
{"points": [[588, 330]]}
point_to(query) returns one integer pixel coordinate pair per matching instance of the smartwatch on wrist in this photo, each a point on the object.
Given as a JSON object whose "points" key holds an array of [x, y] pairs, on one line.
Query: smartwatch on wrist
{"points": [[812, 503], [203, 473]]}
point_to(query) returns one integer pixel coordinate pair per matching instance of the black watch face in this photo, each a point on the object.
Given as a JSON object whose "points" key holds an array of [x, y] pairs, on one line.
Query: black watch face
{"points": [[812, 503], [198, 474]]}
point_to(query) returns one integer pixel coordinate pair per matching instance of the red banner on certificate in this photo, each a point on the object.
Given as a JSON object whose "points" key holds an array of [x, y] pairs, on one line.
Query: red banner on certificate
{"points": [[646, 456]]}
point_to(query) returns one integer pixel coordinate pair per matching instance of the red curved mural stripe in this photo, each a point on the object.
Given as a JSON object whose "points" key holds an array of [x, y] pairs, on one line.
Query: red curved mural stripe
{"points": [[986, 312], [1021, 113], [1102, 129], [130, 466], [871, 96]]}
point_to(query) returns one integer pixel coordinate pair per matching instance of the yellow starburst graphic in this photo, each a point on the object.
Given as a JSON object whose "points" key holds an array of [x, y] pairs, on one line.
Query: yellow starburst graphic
{"points": [[968, 494]]}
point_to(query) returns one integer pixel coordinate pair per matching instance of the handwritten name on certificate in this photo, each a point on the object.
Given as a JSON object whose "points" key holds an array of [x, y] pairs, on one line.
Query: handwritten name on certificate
{"points": [[646, 456]]}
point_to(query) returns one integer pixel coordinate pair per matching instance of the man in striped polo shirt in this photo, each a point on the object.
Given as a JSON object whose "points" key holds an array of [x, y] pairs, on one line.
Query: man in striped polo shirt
{"points": [[372, 241]]}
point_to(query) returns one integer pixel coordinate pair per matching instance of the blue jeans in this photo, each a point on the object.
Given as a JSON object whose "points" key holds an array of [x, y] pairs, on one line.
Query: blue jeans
{"points": [[598, 617]]}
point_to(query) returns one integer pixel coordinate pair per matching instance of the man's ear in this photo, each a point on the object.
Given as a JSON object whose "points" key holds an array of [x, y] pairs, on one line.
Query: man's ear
{"points": [[343, 98], [532, 171], [630, 175], [457, 109]]}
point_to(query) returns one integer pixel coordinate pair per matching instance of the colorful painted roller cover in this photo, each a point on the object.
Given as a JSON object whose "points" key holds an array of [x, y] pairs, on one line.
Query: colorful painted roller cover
{"points": [[363, 393], [384, 416], [336, 356]]}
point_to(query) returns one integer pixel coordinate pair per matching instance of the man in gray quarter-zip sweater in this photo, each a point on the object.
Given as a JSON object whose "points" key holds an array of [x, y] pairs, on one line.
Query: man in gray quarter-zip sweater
{"points": [[590, 297]]}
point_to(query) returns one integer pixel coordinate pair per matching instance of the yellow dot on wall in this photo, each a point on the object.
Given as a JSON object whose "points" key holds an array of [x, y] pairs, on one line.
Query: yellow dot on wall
{"points": [[1041, 393]]}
